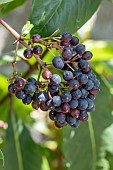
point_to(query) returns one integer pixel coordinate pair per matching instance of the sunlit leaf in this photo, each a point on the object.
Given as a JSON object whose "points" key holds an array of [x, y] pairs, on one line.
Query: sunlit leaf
{"points": [[27, 28], [50, 15]]}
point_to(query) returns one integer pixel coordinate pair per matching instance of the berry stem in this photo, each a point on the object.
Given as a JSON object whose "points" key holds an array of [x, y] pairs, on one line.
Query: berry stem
{"points": [[10, 29]]}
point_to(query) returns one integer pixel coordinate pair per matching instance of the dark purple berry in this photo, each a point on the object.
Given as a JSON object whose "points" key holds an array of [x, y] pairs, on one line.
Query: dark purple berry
{"points": [[65, 107], [37, 50], [43, 107], [83, 116], [28, 53], [55, 79], [67, 75], [83, 79], [89, 85], [74, 41], [36, 38], [58, 62], [66, 37], [83, 64], [82, 104], [76, 94], [20, 94], [67, 53], [27, 100], [87, 55], [29, 88], [66, 97], [73, 103], [19, 82], [11, 88], [56, 101], [73, 84], [84, 93], [32, 80], [75, 112], [35, 105], [61, 117], [80, 49], [52, 115]]}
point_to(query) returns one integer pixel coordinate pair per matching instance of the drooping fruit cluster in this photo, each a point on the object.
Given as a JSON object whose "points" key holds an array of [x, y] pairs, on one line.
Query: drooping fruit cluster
{"points": [[68, 97]]}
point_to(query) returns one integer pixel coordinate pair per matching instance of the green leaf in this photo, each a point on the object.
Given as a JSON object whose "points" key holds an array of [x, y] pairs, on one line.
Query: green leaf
{"points": [[5, 1], [81, 146], [2, 157], [10, 6], [106, 150], [68, 16], [20, 151], [27, 28]]}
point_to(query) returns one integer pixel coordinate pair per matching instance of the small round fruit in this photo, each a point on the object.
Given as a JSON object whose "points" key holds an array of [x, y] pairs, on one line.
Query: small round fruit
{"points": [[37, 50], [19, 82], [28, 53], [58, 62], [46, 74], [36, 38], [27, 100]]}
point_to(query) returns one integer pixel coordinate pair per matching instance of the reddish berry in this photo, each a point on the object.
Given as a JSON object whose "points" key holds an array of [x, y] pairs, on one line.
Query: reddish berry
{"points": [[46, 74]]}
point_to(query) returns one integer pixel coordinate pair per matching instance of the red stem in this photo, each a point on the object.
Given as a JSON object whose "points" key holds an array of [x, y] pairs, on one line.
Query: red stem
{"points": [[10, 29]]}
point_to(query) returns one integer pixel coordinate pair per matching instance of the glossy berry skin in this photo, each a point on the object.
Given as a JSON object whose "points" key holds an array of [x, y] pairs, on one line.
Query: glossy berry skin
{"points": [[37, 50], [83, 64], [76, 94], [43, 106], [80, 49], [74, 41], [83, 79], [90, 103], [68, 75], [28, 53], [27, 100], [76, 73], [60, 125], [70, 120], [73, 84], [91, 96], [65, 44], [84, 92], [58, 62], [36, 38], [61, 117], [91, 76], [42, 96], [20, 94], [55, 79], [73, 103], [29, 88], [92, 109], [19, 83], [66, 37], [46, 74], [83, 116], [65, 107], [56, 101], [76, 124], [11, 88], [52, 115], [35, 105], [89, 85], [67, 53], [53, 88], [82, 104], [32, 80], [75, 112], [66, 97], [87, 55]]}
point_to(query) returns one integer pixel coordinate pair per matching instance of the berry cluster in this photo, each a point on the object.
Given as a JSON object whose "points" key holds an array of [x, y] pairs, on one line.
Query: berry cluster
{"points": [[69, 97]]}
